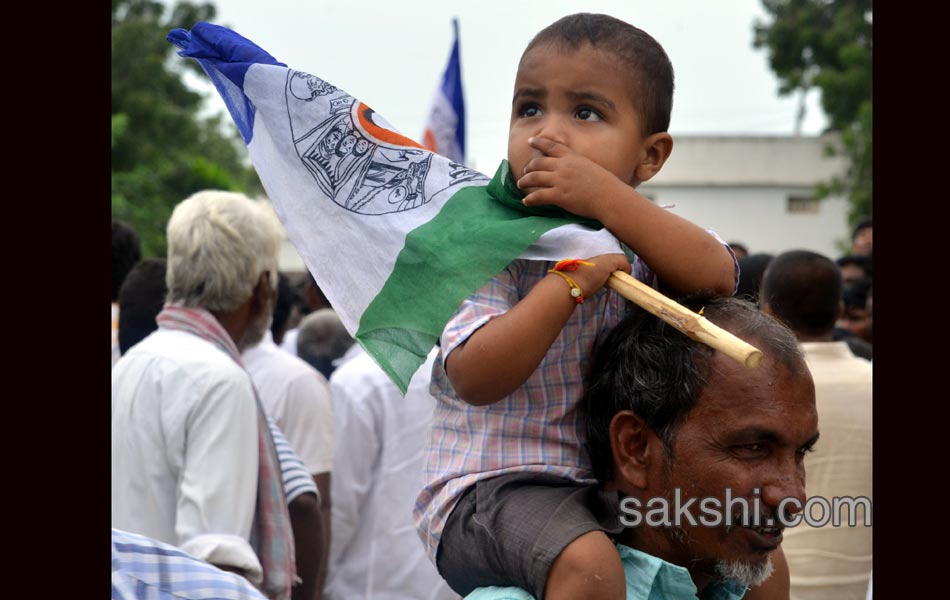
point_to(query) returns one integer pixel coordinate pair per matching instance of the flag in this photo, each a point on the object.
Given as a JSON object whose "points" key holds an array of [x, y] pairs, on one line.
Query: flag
{"points": [[395, 235], [445, 129]]}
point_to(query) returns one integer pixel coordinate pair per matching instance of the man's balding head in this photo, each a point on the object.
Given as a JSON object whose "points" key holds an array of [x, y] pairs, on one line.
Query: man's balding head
{"points": [[322, 339]]}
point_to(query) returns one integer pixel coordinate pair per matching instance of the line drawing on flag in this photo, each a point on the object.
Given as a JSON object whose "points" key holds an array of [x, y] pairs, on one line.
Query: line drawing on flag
{"points": [[396, 236], [358, 161], [445, 129]]}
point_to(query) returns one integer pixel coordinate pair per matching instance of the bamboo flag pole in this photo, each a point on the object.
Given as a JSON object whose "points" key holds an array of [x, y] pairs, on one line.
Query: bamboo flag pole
{"points": [[695, 326]]}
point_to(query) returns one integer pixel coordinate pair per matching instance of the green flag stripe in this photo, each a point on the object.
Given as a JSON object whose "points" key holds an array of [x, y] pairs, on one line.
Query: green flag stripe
{"points": [[467, 243]]}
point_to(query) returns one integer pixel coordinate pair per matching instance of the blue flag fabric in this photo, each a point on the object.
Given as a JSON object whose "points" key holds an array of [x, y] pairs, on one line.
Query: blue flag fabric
{"points": [[445, 129], [226, 58]]}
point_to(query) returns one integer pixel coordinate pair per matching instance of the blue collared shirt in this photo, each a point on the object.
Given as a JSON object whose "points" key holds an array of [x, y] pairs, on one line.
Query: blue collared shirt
{"points": [[144, 569], [648, 578]]}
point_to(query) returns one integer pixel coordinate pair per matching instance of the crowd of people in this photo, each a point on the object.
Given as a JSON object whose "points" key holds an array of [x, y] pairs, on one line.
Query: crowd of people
{"points": [[258, 451]]}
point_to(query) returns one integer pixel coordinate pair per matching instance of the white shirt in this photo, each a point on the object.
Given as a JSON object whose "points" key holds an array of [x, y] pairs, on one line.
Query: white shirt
{"points": [[289, 343], [184, 448], [375, 553], [298, 398], [835, 562]]}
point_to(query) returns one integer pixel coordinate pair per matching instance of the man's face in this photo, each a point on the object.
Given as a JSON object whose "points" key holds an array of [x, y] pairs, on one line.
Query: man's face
{"points": [[749, 429], [851, 273], [580, 98], [857, 321], [862, 243]]}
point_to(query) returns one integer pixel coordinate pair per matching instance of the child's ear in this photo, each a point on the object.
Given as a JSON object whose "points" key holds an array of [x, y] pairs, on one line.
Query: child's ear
{"points": [[657, 149]]}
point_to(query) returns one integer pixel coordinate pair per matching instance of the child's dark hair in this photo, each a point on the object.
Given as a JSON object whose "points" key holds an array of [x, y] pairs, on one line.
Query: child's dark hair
{"points": [[651, 73]]}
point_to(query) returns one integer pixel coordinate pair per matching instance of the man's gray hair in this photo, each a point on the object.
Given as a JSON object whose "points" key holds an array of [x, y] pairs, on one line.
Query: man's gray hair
{"points": [[322, 339], [219, 243]]}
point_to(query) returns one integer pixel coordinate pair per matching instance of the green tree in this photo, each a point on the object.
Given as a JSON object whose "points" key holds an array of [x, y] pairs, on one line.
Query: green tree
{"points": [[162, 149], [827, 44]]}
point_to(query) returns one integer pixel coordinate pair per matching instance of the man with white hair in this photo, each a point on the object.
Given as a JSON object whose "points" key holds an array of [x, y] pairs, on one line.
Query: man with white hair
{"points": [[194, 462]]}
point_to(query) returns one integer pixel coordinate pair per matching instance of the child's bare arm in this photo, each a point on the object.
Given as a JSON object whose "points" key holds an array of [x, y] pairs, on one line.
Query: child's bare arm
{"points": [[683, 255], [503, 353]]}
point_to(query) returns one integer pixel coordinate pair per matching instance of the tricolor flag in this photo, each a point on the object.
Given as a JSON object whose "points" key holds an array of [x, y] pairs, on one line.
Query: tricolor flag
{"points": [[445, 130], [395, 235]]}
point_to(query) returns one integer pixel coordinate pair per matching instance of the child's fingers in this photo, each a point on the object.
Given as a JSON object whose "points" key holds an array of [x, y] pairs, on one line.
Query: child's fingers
{"points": [[539, 197], [620, 263], [548, 146], [540, 163], [612, 262], [544, 179], [593, 277]]}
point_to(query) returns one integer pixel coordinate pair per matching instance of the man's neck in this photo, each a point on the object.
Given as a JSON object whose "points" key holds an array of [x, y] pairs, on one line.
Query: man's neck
{"points": [[234, 322], [825, 337]]}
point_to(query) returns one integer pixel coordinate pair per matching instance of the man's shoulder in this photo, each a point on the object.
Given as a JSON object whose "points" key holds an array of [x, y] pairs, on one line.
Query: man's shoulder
{"points": [[167, 354], [837, 357], [647, 577], [360, 366], [277, 362], [360, 379], [499, 593], [182, 346]]}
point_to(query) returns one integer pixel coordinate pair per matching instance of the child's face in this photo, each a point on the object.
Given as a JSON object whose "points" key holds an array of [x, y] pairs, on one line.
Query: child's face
{"points": [[580, 98]]}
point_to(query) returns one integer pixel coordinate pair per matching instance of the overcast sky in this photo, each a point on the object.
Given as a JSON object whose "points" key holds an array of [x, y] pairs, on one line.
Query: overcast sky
{"points": [[391, 56]]}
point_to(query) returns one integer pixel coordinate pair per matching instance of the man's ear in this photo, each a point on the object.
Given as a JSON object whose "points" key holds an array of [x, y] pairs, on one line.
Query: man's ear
{"points": [[657, 149], [262, 291], [633, 446]]}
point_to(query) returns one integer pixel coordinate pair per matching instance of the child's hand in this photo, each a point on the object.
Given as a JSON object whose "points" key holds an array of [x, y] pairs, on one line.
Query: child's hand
{"points": [[590, 279], [567, 179]]}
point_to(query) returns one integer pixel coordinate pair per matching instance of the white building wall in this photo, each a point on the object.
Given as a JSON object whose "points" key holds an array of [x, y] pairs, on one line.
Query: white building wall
{"points": [[739, 187], [758, 218]]}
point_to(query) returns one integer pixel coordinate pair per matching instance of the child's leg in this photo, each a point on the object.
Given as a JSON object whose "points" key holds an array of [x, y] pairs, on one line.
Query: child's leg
{"points": [[588, 568], [511, 530]]}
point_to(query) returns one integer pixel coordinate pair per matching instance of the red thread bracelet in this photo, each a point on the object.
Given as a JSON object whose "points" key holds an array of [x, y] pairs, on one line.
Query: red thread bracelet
{"points": [[571, 264]]}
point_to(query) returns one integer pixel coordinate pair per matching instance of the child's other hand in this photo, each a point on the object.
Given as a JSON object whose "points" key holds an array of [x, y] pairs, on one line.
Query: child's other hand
{"points": [[567, 179], [591, 279]]}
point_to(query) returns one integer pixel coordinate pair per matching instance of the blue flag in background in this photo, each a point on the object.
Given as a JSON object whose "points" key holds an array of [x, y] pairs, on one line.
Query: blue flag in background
{"points": [[445, 129]]}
